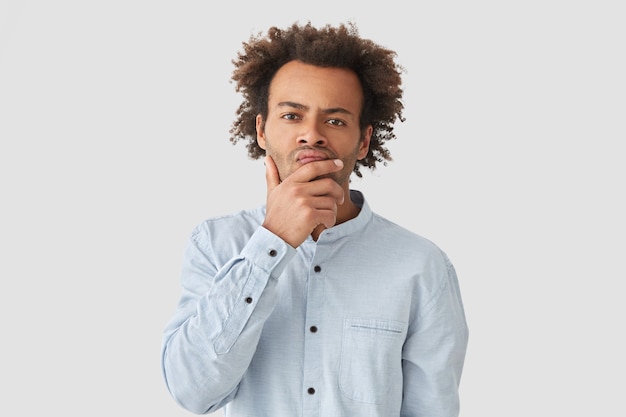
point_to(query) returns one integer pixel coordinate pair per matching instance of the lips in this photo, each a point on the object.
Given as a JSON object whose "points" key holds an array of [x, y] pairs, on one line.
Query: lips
{"points": [[309, 155]]}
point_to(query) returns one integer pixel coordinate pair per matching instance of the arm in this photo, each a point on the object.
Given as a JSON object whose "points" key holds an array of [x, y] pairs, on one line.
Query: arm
{"points": [[434, 353], [209, 343]]}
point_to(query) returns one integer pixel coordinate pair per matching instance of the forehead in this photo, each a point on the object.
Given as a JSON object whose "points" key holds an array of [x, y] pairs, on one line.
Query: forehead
{"points": [[315, 86]]}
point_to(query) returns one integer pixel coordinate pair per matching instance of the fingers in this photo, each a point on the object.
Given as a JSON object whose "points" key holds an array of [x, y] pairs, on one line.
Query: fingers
{"points": [[325, 187], [314, 176], [313, 170], [306, 174], [306, 198], [325, 211]]}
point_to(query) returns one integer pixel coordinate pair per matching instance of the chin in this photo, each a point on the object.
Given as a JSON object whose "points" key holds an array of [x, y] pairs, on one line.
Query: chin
{"points": [[339, 179]]}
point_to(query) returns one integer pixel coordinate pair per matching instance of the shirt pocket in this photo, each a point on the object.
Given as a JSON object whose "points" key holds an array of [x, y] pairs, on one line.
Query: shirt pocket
{"points": [[371, 358]]}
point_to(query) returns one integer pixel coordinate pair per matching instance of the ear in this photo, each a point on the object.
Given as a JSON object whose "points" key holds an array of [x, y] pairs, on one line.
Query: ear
{"points": [[364, 145], [260, 131]]}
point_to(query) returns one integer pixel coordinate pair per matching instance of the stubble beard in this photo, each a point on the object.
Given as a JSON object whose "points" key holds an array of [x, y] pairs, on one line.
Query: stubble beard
{"points": [[340, 177]]}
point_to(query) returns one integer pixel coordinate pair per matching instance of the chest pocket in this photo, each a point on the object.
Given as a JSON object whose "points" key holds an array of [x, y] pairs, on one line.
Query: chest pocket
{"points": [[371, 358]]}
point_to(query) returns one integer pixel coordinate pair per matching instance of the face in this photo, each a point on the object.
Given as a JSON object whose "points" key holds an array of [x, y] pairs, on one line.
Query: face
{"points": [[313, 114]]}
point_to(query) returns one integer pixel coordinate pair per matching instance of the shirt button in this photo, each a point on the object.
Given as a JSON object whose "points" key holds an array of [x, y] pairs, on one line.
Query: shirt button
{"points": [[272, 252], [313, 329], [311, 390], [317, 268], [249, 300]]}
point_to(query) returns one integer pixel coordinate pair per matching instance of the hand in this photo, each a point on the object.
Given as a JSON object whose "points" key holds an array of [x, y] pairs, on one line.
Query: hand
{"points": [[303, 201]]}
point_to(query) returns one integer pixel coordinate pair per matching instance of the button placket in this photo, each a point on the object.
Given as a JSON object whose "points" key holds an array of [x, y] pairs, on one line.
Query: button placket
{"points": [[313, 368], [317, 269]]}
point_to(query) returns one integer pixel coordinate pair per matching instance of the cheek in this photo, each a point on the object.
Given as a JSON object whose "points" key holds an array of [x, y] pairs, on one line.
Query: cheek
{"points": [[284, 169]]}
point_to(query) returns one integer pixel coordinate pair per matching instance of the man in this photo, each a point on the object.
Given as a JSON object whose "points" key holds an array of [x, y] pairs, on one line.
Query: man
{"points": [[312, 305]]}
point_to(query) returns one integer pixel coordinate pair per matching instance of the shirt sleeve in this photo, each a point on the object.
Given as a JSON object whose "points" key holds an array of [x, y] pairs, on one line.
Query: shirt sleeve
{"points": [[209, 342], [434, 352]]}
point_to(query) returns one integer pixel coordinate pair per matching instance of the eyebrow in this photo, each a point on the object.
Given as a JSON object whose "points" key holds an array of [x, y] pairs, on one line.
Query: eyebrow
{"points": [[299, 106]]}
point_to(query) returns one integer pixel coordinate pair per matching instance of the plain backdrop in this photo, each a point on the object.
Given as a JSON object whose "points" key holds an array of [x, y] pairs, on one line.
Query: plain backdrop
{"points": [[114, 119]]}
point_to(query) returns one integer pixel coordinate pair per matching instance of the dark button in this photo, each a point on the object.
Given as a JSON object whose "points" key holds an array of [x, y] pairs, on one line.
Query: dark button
{"points": [[313, 329], [311, 391], [317, 268], [249, 300], [272, 252]]}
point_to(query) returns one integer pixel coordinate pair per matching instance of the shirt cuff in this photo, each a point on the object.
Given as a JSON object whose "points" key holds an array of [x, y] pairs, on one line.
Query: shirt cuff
{"points": [[268, 252]]}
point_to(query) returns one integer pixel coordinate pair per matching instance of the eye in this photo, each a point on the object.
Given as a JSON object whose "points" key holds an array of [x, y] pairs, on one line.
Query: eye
{"points": [[336, 122], [290, 116]]}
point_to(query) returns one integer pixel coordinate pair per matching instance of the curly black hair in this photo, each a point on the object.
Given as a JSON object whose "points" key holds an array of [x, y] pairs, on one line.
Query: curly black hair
{"points": [[327, 46]]}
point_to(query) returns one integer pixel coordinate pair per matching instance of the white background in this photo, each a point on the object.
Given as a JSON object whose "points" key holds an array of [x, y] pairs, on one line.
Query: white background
{"points": [[114, 119]]}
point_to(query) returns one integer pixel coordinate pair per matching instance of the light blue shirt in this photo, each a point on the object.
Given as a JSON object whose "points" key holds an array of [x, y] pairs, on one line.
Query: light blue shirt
{"points": [[366, 322]]}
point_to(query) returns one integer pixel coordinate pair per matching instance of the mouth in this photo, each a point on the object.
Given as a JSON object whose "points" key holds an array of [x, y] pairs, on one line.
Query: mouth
{"points": [[308, 155]]}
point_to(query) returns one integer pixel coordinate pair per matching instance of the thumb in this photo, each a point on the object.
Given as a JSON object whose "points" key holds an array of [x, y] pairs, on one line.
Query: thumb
{"points": [[271, 174]]}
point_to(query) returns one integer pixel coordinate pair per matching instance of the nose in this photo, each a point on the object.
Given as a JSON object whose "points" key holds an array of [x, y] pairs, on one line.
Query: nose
{"points": [[311, 135]]}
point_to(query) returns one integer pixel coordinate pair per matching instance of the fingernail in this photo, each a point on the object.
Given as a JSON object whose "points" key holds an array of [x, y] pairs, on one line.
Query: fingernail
{"points": [[338, 162]]}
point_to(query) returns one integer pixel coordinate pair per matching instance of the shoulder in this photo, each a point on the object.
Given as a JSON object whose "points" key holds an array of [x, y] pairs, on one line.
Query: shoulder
{"points": [[401, 239]]}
